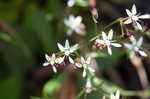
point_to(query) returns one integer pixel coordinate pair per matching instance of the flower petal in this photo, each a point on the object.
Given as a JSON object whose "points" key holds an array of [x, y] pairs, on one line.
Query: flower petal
{"points": [[132, 54], [104, 35], [88, 83], [129, 46], [82, 60], [88, 60], [84, 73], [78, 20], [116, 44], [78, 65], [99, 41], [71, 60], [139, 42], [70, 3], [91, 69], [60, 60], [134, 9], [110, 35], [128, 12], [128, 21], [67, 44], [69, 32], [109, 50], [117, 94], [54, 69], [133, 40], [142, 53], [47, 57], [74, 47], [53, 56], [61, 48], [145, 16], [139, 25], [46, 64]]}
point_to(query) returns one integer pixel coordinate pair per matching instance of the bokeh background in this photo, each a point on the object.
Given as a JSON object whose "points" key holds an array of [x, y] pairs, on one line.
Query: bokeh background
{"points": [[31, 28]]}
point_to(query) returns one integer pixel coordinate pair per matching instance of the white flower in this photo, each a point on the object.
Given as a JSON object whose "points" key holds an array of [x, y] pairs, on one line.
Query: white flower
{"points": [[88, 85], [135, 47], [71, 3], [74, 24], [117, 96], [134, 17], [107, 41], [67, 50], [86, 65], [52, 61]]}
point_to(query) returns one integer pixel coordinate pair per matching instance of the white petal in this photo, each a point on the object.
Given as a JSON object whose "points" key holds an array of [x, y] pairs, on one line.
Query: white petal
{"points": [[112, 96], [109, 50], [71, 60], [99, 41], [60, 60], [139, 25], [61, 48], [110, 35], [91, 69], [46, 64], [128, 12], [84, 72], [139, 42], [116, 44], [67, 44], [70, 3], [128, 21], [88, 60], [117, 94], [47, 57], [78, 65], [142, 53], [53, 56], [69, 32], [54, 69], [104, 36], [129, 46], [133, 40], [74, 47], [78, 20], [134, 9], [88, 83], [82, 60], [145, 16], [132, 54]]}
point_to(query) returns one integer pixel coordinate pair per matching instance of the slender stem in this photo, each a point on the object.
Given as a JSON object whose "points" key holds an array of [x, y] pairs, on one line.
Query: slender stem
{"points": [[95, 26], [121, 25], [80, 93], [114, 22]]}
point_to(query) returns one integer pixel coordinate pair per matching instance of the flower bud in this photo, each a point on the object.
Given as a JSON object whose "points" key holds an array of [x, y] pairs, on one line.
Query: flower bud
{"points": [[97, 82], [94, 15]]}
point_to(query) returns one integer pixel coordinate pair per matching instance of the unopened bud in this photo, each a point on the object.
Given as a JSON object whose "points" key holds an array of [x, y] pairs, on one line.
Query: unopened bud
{"points": [[94, 15]]}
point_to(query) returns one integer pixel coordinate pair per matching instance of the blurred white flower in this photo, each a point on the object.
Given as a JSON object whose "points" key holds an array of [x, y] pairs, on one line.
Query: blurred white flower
{"points": [[117, 96], [107, 41], [52, 61], [135, 47], [71, 3], [86, 65], [134, 17], [67, 50], [75, 25], [88, 85]]}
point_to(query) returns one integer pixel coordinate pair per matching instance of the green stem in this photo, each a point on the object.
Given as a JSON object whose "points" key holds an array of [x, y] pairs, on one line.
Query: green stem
{"points": [[80, 94], [121, 25], [114, 22]]}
